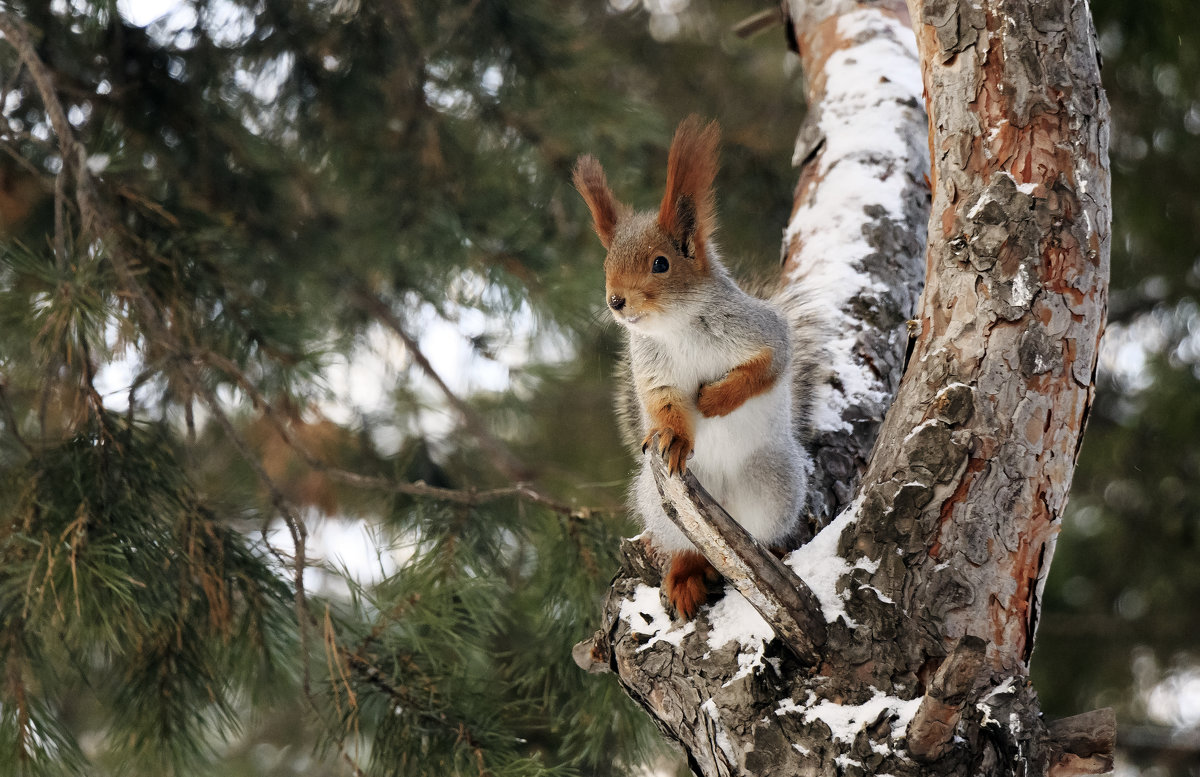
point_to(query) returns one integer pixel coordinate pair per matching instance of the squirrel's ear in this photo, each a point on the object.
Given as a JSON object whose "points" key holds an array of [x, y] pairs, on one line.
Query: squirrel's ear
{"points": [[591, 183], [688, 205]]}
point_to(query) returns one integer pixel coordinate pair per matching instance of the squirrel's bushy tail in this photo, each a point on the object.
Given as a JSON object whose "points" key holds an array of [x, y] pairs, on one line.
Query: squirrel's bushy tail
{"points": [[808, 330]]}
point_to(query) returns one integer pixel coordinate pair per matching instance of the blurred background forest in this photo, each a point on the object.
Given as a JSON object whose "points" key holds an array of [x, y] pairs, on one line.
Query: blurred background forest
{"points": [[310, 273]]}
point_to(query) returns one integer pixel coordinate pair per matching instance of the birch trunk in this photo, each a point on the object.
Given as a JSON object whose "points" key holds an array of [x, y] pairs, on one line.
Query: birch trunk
{"points": [[930, 575]]}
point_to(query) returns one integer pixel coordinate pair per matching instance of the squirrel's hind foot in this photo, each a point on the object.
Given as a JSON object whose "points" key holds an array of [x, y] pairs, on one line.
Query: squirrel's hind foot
{"points": [[687, 582]]}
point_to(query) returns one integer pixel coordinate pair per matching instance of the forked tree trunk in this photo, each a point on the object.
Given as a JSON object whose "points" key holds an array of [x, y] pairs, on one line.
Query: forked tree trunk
{"points": [[928, 580]]}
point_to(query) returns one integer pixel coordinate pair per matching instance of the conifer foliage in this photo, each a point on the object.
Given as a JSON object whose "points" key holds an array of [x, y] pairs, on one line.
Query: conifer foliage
{"points": [[202, 217]]}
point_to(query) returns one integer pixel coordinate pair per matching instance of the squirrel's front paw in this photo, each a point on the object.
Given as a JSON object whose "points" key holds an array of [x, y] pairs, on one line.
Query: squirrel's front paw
{"points": [[749, 379], [673, 445], [715, 399]]}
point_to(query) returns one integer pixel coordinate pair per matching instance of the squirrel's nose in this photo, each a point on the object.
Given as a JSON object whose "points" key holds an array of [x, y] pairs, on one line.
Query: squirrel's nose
{"points": [[616, 302]]}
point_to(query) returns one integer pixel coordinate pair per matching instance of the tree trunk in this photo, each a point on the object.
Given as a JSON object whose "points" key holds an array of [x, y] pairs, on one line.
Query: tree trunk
{"points": [[929, 577]]}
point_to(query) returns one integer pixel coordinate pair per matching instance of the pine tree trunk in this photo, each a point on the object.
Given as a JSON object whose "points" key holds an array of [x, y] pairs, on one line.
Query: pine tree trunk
{"points": [[928, 579]]}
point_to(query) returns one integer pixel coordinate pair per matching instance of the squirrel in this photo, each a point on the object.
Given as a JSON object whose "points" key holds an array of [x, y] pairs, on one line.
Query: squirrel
{"points": [[712, 370]]}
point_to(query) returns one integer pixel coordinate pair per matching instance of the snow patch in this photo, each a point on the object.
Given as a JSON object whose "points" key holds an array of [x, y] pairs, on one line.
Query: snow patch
{"points": [[789, 705], [1002, 688], [645, 615], [985, 706], [880, 595], [820, 566], [722, 738], [734, 618], [845, 762], [846, 720]]}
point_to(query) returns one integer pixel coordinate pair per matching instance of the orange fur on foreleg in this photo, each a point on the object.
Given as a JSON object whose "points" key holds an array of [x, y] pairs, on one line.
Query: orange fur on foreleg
{"points": [[687, 582], [669, 420], [749, 379]]}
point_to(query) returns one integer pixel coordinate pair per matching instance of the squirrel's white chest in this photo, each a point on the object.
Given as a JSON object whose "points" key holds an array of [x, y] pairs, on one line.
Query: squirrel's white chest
{"points": [[692, 362], [762, 422]]}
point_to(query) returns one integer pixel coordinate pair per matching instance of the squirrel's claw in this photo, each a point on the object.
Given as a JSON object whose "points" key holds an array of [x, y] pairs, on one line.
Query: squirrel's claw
{"points": [[677, 457], [675, 448]]}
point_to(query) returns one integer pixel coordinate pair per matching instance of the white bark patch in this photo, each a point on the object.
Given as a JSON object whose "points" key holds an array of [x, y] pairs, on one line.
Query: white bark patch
{"points": [[869, 91], [977, 208], [1023, 288], [820, 566], [645, 615], [927, 423]]}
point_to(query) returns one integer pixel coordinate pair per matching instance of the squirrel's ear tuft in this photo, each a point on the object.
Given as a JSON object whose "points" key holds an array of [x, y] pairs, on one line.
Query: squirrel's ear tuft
{"points": [[688, 207], [591, 183]]}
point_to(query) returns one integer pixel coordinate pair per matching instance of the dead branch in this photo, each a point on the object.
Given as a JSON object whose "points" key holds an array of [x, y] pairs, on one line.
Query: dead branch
{"points": [[783, 599]]}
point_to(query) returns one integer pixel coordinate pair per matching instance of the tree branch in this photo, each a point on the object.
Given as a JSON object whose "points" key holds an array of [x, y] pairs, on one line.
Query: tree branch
{"points": [[502, 458], [1081, 744], [856, 236], [460, 496], [783, 599], [933, 726]]}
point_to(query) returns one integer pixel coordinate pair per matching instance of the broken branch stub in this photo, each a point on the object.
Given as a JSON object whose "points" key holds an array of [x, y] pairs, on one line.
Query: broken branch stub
{"points": [[931, 731], [1081, 744], [783, 599]]}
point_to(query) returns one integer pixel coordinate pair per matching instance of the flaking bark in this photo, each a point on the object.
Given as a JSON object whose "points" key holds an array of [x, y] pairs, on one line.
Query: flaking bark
{"points": [[949, 534]]}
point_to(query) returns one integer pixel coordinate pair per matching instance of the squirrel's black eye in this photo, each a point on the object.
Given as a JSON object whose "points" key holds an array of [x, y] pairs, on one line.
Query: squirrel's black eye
{"points": [[660, 264]]}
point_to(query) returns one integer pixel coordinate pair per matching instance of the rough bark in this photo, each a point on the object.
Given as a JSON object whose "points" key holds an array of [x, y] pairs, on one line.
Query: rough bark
{"points": [[929, 577]]}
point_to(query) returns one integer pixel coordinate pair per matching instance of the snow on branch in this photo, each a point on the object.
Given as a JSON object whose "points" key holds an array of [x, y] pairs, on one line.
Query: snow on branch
{"points": [[855, 241]]}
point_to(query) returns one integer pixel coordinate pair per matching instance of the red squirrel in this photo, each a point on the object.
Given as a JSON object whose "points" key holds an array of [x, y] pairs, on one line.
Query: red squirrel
{"points": [[711, 369]]}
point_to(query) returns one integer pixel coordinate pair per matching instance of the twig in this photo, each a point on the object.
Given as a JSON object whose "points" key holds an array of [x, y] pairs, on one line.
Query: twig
{"points": [[158, 210], [504, 459], [10, 417], [18, 38], [1082, 744], [468, 497], [296, 527], [472, 497], [755, 23], [24, 163]]}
